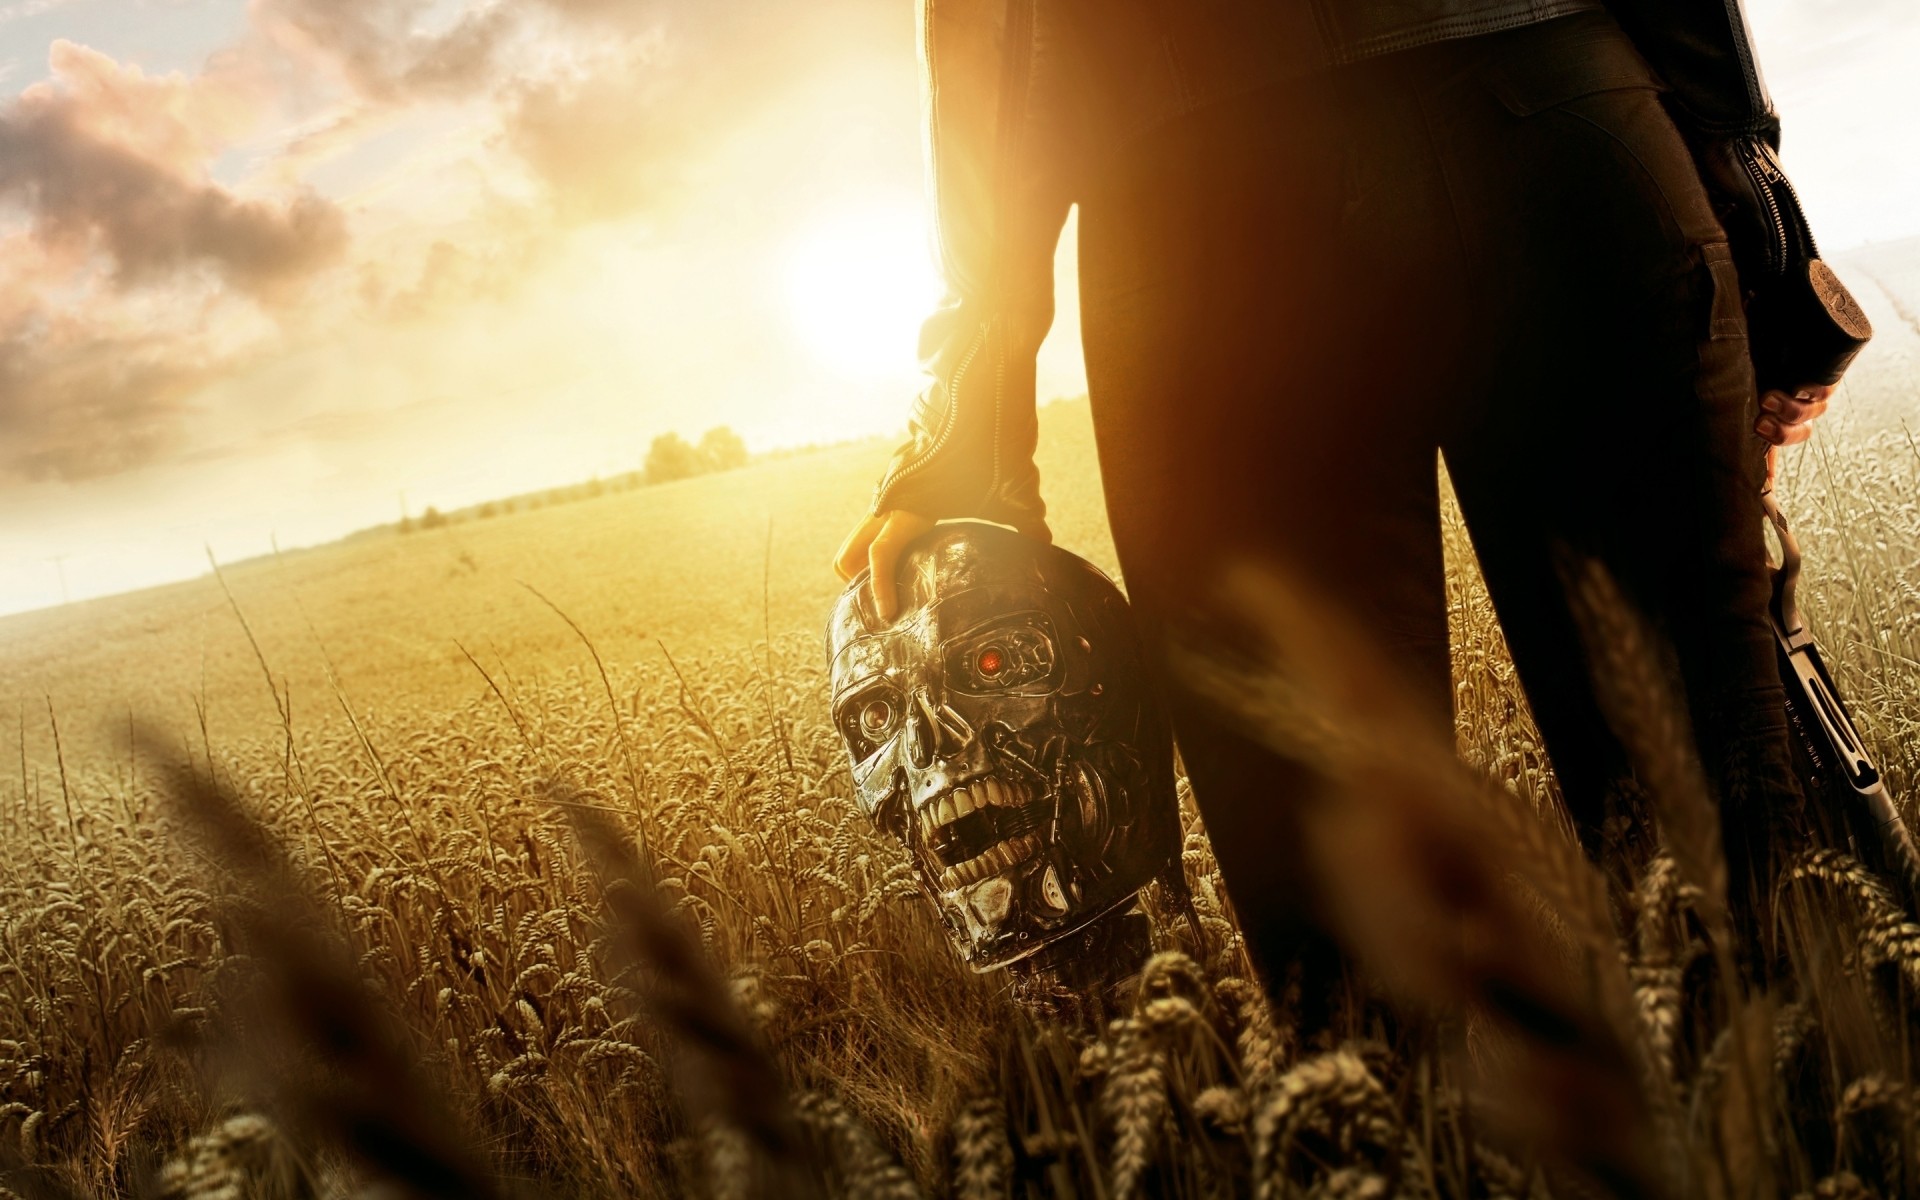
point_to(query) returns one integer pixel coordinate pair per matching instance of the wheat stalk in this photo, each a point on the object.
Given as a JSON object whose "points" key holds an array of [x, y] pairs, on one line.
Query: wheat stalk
{"points": [[1334, 1095], [982, 1153], [863, 1167]]}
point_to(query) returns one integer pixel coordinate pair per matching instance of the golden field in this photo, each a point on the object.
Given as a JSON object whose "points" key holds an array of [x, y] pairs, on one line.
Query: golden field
{"points": [[414, 720]]}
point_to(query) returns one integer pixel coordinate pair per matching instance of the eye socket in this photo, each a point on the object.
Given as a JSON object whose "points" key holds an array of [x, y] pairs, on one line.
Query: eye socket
{"points": [[876, 717], [867, 719], [1015, 654]]}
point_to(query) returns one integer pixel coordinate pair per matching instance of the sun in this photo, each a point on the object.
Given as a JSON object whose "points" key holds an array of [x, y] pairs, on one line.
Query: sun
{"points": [[859, 285]]}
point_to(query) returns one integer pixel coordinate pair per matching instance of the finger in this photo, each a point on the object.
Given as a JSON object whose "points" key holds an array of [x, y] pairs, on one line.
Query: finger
{"points": [[1775, 433], [1783, 432], [1793, 435], [883, 558], [852, 554], [1801, 413], [1789, 410]]}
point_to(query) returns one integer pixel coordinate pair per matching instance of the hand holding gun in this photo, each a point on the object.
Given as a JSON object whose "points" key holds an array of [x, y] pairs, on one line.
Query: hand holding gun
{"points": [[1806, 328]]}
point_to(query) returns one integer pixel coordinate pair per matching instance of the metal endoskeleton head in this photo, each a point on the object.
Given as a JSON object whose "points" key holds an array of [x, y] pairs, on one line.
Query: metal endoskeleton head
{"points": [[1002, 729]]}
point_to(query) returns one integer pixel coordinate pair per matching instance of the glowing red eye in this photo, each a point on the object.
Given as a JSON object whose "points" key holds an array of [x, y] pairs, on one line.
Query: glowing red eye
{"points": [[991, 662]]}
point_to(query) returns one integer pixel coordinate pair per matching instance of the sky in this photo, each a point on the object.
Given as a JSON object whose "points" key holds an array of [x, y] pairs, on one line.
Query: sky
{"points": [[273, 270]]}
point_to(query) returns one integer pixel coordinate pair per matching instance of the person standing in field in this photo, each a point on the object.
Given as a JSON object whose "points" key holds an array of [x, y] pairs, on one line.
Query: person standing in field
{"points": [[1321, 240]]}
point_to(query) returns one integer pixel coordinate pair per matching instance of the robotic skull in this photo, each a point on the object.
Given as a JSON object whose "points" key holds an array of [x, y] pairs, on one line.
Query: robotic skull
{"points": [[1001, 727]]}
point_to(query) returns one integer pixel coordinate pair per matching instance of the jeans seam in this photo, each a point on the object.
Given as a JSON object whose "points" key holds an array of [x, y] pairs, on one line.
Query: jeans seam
{"points": [[1670, 218]]}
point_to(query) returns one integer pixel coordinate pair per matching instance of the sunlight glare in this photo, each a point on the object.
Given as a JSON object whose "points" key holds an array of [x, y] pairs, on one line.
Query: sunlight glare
{"points": [[859, 286]]}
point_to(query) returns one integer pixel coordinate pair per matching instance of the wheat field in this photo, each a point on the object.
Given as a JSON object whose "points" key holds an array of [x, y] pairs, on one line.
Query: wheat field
{"points": [[335, 874]]}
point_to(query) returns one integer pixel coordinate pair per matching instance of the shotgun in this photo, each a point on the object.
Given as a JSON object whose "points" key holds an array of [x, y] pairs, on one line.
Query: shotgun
{"points": [[1807, 328], [1841, 780]]}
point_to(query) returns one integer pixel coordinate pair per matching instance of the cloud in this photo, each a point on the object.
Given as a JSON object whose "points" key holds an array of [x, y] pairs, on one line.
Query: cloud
{"points": [[463, 60], [574, 79], [622, 130], [379, 50], [75, 405], [106, 160], [28, 8], [123, 258], [486, 266], [158, 232], [596, 143], [575, 84]]}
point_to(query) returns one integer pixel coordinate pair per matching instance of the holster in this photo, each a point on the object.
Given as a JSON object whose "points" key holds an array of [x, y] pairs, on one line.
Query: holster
{"points": [[1804, 326]]}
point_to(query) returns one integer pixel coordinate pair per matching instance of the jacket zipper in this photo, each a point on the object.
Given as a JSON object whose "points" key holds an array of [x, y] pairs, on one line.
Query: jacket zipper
{"points": [[1014, 78], [945, 432], [932, 118], [1014, 82], [1763, 181], [1013, 97], [1812, 248], [999, 393]]}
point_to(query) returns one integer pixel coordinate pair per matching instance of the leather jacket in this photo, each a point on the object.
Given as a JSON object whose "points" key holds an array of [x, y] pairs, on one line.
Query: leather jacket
{"points": [[1024, 98]]}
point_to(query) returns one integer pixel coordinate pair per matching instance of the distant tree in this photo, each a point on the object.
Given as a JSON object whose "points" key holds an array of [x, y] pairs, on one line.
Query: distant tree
{"points": [[671, 457], [722, 449], [487, 510], [433, 518]]}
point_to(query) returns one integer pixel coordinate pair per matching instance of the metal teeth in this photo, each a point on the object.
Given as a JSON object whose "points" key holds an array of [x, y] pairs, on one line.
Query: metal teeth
{"points": [[1000, 858], [1008, 795], [989, 792]]}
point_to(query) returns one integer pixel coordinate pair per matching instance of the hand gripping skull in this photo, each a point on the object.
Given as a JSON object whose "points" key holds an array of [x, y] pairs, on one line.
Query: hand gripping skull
{"points": [[1002, 729]]}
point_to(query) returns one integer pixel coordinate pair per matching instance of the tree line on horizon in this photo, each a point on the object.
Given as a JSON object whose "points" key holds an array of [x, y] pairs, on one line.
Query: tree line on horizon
{"points": [[670, 457]]}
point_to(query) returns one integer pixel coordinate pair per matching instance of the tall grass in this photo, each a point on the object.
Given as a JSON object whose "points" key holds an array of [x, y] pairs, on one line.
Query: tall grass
{"points": [[427, 937]]}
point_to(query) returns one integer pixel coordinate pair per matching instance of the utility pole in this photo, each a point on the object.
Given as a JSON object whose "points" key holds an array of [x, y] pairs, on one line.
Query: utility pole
{"points": [[59, 567]]}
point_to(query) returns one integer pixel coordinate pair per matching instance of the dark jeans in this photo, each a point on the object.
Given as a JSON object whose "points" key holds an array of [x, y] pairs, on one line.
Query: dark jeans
{"points": [[1496, 248]]}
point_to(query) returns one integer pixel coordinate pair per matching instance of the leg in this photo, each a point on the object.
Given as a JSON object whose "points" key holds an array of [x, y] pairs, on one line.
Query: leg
{"points": [[1246, 414], [1607, 276]]}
